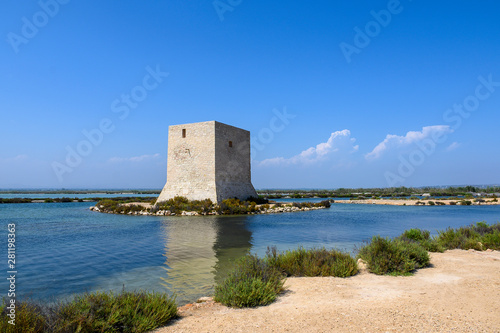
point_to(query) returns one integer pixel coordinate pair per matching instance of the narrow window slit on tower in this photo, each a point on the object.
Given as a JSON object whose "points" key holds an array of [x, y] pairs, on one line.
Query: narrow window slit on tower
{"points": [[230, 143], [183, 132]]}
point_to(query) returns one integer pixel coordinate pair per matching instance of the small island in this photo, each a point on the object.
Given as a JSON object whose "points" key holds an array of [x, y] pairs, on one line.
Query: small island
{"points": [[181, 206]]}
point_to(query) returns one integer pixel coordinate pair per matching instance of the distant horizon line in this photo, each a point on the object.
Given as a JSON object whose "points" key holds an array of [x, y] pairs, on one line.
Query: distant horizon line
{"points": [[53, 189]]}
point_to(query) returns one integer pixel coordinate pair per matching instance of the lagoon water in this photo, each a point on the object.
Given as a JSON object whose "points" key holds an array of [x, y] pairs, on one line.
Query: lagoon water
{"points": [[64, 249]]}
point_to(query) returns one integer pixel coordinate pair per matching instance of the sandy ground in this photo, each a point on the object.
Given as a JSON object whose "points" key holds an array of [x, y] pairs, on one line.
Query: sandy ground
{"points": [[459, 293], [406, 202]]}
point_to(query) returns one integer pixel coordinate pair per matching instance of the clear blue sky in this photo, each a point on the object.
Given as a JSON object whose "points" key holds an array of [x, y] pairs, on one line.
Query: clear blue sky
{"points": [[335, 94]]}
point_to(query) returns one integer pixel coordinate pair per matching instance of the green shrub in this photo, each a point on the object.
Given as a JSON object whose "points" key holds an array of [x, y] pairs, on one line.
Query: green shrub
{"points": [[95, 312], [416, 234], [257, 281], [462, 238], [312, 262], [415, 252], [233, 206], [491, 241], [465, 202], [179, 204], [107, 204], [393, 257], [252, 283], [125, 312], [423, 238], [265, 207], [30, 317], [431, 203], [324, 203], [259, 200], [483, 228], [480, 236]]}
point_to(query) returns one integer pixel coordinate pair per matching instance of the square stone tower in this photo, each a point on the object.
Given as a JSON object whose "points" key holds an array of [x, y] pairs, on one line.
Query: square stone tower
{"points": [[208, 160]]}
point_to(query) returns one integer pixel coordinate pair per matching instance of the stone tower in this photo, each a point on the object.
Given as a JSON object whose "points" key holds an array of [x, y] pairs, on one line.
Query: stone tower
{"points": [[208, 160]]}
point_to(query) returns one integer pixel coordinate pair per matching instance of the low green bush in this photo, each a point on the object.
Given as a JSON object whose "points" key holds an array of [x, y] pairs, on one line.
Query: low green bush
{"points": [[259, 200], [94, 312], [324, 203], [179, 204], [257, 281], [312, 262], [479, 236], [29, 317], [491, 241], [416, 234], [462, 238], [15, 200], [423, 238], [252, 283], [393, 256], [117, 207], [236, 206]]}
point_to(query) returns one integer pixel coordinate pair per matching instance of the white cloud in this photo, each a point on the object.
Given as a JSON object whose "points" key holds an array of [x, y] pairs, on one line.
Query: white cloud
{"points": [[453, 146], [134, 159], [21, 157], [338, 142], [395, 141]]}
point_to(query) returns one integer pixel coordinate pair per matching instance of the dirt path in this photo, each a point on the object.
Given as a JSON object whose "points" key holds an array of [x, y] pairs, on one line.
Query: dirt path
{"points": [[459, 293]]}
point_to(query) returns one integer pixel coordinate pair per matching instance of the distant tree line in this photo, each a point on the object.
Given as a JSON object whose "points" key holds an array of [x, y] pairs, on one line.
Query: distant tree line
{"points": [[378, 192]]}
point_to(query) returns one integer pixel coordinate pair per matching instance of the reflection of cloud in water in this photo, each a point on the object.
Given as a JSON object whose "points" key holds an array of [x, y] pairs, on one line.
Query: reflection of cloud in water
{"points": [[199, 251]]}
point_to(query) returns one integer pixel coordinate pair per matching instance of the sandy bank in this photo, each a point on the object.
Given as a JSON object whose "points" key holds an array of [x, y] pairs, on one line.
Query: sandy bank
{"points": [[459, 293], [404, 202]]}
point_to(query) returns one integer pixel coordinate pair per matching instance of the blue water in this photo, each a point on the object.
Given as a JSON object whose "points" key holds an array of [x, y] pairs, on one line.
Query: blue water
{"points": [[65, 249]]}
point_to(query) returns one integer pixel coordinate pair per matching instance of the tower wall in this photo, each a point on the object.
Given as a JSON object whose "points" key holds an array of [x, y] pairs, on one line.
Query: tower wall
{"points": [[232, 163], [190, 162], [208, 160]]}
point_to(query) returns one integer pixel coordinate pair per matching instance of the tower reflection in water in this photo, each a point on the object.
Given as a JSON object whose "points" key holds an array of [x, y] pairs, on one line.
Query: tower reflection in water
{"points": [[199, 252]]}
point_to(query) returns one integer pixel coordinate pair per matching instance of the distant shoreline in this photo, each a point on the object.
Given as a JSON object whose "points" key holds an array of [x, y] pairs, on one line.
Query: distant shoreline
{"points": [[388, 202], [422, 202]]}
